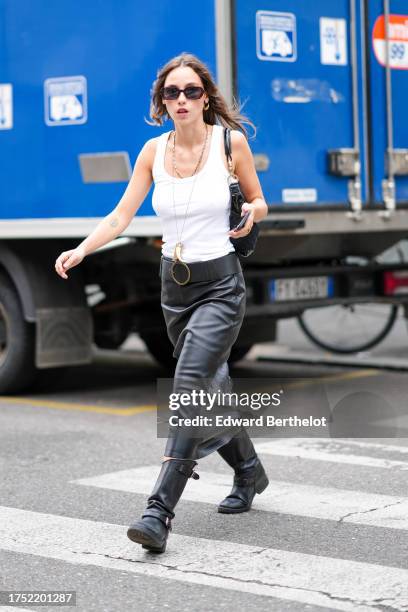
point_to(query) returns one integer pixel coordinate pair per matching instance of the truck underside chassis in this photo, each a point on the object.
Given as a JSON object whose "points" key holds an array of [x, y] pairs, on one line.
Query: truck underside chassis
{"points": [[47, 322]]}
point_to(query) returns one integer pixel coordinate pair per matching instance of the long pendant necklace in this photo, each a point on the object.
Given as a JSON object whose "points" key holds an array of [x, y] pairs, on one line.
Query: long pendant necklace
{"points": [[177, 255]]}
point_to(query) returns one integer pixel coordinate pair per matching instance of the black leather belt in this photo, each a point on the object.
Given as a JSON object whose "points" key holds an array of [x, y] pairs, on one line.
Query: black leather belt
{"points": [[186, 272]]}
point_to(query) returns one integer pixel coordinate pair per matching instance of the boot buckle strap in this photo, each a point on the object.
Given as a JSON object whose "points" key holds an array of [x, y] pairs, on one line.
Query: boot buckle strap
{"points": [[157, 513], [188, 471], [244, 481]]}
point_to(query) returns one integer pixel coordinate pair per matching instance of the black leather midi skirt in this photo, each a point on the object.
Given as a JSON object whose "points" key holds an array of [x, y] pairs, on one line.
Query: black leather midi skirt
{"points": [[203, 319]]}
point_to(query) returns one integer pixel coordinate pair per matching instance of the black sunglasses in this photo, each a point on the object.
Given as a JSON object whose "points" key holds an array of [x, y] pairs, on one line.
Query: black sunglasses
{"points": [[192, 92]]}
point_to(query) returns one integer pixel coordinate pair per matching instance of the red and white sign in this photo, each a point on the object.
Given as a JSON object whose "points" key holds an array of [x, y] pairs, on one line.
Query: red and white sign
{"points": [[397, 43]]}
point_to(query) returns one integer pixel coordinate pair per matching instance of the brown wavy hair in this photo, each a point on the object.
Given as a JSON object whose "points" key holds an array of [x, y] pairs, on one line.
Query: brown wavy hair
{"points": [[219, 111]]}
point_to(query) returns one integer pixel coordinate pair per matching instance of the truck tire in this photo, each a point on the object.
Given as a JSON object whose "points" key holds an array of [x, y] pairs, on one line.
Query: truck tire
{"points": [[160, 347], [238, 352], [111, 329], [17, 368]]}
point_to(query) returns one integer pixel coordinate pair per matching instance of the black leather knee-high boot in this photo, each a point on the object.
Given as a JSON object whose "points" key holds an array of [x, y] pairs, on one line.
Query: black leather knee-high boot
{"points": [[250, 476], [153, 528]]}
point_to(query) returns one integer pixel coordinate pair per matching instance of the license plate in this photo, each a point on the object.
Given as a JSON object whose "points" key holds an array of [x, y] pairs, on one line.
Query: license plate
{"points": [[301, 288]]}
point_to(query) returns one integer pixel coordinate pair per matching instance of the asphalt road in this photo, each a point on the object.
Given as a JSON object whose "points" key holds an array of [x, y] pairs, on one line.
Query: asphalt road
{"points": [[78, 459]]}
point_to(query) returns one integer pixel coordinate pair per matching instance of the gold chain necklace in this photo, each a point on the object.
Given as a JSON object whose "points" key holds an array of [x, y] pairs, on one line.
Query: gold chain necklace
{"points": [[177, 259]]}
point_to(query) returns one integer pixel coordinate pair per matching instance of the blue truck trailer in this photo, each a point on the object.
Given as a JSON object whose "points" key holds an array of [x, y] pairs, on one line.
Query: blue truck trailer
{"points": [[326, 84]]}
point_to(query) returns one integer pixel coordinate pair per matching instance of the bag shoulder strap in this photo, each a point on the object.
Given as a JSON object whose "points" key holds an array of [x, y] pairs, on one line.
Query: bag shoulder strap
{"points": [[227, 147]]}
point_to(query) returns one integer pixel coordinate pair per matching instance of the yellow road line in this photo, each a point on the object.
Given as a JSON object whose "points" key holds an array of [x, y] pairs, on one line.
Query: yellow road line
{"points": [[150, 407], [81, 407], [354, 374], [336, 377]]}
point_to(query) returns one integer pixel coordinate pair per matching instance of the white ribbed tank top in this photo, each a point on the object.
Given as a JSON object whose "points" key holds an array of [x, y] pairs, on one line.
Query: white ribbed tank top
{"points": [[205, 233]]}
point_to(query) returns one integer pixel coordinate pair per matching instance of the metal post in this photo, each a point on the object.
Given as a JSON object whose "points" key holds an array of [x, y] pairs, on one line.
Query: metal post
{"points": [[224, 33], [388, 184], [354, 186]]}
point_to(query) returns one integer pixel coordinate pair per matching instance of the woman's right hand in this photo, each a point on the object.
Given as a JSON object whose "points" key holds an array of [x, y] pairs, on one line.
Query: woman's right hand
{"points": [[69, 259]]}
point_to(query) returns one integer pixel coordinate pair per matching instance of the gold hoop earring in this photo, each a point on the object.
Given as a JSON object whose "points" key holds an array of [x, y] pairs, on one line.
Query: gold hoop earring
{"points": [[207, 107]]}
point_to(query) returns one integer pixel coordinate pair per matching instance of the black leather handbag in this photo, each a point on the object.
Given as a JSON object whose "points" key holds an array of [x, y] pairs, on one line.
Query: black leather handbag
{"points": [[244, 246]]}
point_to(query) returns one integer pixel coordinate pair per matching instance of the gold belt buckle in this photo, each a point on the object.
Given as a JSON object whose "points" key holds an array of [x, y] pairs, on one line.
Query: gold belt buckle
{"points": [[186, 268]]}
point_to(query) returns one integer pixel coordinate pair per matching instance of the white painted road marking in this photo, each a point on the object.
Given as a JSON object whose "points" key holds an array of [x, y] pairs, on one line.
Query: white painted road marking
{"points": [[281, 497], [337, 451], [335, 583]]}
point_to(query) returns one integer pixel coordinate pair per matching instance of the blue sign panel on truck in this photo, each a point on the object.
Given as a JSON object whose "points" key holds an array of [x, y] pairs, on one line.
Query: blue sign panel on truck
{"points": [[388, 109], [59, 53], [302, 107]]}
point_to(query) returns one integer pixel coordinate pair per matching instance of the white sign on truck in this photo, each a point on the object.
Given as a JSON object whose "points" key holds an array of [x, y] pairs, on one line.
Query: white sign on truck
{"points": [[333, 41], [6, 106], [276, 36], [65, 100]]}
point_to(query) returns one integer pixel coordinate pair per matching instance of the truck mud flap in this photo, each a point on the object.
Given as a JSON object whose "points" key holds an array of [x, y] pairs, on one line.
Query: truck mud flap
{"points": [[64, 336]]}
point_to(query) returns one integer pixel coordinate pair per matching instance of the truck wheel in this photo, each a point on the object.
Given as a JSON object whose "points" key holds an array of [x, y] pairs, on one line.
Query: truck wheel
{"points": [[111, 328], [17, 369], [160, 347], [238, 352]]}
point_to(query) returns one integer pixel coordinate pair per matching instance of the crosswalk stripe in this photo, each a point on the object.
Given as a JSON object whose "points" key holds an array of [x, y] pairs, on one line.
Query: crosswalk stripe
{"points": [[394, 448], [337, 451], [335, 583], [356, 507]]}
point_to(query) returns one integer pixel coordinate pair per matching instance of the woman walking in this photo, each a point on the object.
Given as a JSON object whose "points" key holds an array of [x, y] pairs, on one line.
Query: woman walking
{"points": [[203, 288]]}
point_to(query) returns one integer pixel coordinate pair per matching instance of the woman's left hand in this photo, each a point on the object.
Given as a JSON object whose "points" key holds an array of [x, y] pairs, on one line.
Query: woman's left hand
{"points": [[249, 222]]}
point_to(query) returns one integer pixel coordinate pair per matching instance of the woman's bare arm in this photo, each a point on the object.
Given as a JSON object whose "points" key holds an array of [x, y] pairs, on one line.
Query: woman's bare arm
{"points": [[113, 224], [137, 189]]}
